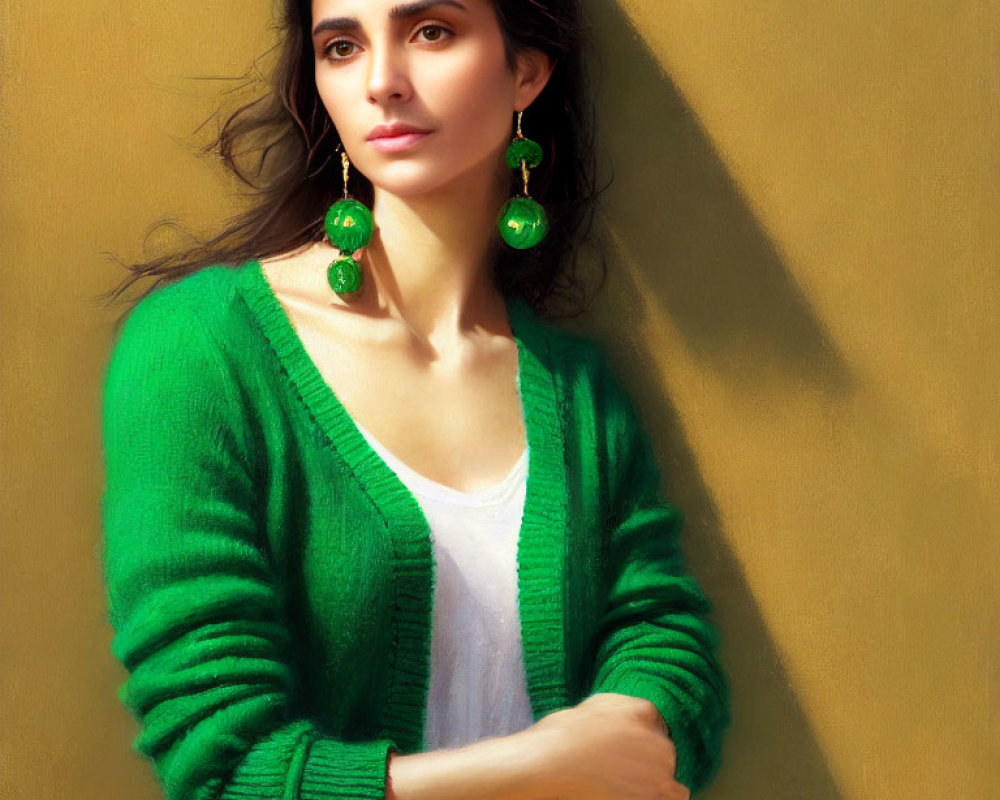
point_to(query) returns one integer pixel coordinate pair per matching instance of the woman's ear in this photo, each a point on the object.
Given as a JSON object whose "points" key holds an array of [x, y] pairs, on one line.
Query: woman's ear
{"points": [[534, 67]]}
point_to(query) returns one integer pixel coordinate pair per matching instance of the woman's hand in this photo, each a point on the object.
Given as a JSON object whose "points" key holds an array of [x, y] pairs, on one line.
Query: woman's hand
{"points": [[609, 747]]}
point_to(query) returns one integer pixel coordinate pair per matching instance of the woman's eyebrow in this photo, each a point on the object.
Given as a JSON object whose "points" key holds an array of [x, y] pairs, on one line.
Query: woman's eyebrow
{"points": [[396, 12]]}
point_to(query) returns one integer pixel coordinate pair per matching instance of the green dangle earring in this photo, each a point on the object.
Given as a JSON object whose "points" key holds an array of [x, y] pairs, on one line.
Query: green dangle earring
{"points": [[349, 227], [522, 220]]}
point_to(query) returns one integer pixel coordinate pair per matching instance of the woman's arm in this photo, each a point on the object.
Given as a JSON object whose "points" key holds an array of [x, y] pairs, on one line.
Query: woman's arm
{"points": [[194, 604], [608, 747], [656, 640], [511, 767]]}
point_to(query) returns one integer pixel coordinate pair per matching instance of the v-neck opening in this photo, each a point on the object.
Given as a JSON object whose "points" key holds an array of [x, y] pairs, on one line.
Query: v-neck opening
{"points": [[474, 497], [541, 537], [304, 370]]}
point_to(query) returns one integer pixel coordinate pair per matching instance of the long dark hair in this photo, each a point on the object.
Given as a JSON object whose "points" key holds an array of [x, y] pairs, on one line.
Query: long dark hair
{"points": [[282, 147]]}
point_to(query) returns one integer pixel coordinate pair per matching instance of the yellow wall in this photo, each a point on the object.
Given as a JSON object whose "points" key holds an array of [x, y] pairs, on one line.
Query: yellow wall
{"points": [[804, 294]]}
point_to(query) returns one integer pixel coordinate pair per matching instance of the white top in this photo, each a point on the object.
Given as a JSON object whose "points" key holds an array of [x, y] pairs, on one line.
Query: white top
{"points": [[478, 687]]}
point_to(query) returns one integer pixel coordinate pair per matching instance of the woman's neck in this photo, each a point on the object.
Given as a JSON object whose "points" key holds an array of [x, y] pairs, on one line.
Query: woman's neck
{"points": [[430, 259]]}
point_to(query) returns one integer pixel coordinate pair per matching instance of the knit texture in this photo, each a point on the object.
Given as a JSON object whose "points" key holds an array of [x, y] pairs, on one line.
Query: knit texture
{"points": [[270, 579]]}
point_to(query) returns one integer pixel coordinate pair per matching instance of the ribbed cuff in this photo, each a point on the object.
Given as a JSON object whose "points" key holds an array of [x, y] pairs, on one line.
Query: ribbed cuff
{"points": [[688, 771], [336, 769], [298, 763]]}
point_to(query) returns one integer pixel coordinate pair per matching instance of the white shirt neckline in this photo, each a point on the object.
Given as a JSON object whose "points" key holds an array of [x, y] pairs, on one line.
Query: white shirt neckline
{"points": [[420, 484]]}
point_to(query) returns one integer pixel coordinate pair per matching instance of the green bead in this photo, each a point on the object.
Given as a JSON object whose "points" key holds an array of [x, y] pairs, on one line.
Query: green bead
{"points": [[349, 225], [522, 223], [344, 275], [526, 150]]}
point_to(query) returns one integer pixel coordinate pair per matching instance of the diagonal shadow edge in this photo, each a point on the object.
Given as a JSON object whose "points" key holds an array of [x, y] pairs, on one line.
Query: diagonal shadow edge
{"points": [[683, 218], [688, 226], [765, 708]]}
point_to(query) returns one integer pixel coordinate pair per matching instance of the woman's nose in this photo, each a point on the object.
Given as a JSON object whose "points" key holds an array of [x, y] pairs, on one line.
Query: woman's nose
{"points": [[388, 77]]}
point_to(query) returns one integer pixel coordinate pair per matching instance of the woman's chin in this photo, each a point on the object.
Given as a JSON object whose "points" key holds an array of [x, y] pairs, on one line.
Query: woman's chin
{"points": [[414, 179], [410, 186]]}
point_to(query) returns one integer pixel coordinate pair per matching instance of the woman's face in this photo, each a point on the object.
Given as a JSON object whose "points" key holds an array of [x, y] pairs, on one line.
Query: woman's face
{"points": [[437, 65]]}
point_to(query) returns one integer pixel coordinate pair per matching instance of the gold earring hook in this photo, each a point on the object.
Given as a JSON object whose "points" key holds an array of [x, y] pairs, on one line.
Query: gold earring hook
{"points": [[524, 164], [346, 164]]}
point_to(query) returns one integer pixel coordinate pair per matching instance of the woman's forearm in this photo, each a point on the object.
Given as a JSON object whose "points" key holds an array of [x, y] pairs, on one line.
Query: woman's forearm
{"points": [[500, 768]]}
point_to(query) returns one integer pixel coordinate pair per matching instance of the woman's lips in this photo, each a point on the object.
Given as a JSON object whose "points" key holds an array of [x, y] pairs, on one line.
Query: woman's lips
{"points": [[395, 144]]}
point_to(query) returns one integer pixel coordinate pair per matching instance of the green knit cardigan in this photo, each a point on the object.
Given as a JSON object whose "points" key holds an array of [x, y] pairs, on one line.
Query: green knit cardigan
{"points": [[269, 579]]}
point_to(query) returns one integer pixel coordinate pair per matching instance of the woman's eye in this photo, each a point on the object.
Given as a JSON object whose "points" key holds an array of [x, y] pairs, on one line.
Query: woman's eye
{"points": [[335, 49], [441, 31]]}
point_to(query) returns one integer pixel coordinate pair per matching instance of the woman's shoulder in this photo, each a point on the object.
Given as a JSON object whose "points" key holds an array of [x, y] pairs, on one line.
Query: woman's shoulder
{"points": [[204, 301], [205, 294], [586, 366], [569, 349], [192, 325], [175, 362]]}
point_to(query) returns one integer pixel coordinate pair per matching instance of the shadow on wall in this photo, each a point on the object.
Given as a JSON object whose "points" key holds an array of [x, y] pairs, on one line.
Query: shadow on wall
{"points": [[683, 223]]}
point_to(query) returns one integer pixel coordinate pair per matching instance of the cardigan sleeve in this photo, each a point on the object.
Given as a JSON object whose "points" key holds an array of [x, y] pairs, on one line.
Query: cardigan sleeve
{"points": [[193, 600], [656, 639]]}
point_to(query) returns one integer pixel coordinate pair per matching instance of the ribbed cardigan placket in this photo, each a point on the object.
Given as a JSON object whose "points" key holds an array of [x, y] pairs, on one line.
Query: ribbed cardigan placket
{"points": [[541, 548]]}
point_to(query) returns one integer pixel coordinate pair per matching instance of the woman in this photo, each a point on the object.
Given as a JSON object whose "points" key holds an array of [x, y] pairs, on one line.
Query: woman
{"points": [[372, 528]]}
